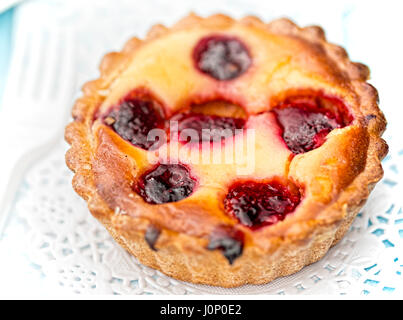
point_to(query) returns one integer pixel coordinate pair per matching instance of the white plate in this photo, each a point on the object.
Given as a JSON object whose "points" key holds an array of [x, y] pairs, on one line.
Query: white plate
{"points": [[69, 251]]}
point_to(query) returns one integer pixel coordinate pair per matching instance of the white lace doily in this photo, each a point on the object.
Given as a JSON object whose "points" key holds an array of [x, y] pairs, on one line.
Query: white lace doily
{"points": [[71, 249], [64, 248]]}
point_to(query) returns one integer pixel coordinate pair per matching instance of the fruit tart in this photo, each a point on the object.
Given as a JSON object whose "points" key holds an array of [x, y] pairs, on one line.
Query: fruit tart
{"points": [[227, 152]]}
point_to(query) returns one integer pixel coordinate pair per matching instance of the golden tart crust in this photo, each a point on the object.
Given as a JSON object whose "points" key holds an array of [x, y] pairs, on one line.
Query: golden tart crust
{"points": [[287, 61]]}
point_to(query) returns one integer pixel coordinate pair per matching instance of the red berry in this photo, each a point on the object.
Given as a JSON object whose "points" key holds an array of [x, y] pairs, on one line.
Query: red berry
{"points": [[208, 127], [133, 119], [304, 128], [257, 204], [221, 57], [228, 240], [166, 183]]}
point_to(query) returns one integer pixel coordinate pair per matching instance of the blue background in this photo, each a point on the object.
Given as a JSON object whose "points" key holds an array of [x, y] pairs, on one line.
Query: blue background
{"points": [[6, 23]]}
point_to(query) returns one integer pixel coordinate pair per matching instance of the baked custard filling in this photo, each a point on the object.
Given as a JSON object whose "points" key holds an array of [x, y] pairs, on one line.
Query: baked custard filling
{"points": [[304, 120]]}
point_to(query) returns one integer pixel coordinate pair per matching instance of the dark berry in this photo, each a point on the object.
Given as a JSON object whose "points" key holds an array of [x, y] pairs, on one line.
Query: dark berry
{"points": [[370, 117], [221, 57], [151, 236], [305, 129], [229, 241], [133, 119], [208, 127], [166, 183], [257, 204]]}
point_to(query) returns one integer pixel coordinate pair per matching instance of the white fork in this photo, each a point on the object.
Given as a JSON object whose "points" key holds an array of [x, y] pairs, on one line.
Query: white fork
{"points": [[35, 106]]}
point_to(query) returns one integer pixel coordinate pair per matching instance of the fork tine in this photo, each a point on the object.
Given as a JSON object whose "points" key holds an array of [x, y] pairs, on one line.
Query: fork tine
{"points": [[47, 86], [34, 65], [15, 74], [67, 71], [47, 78]]}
